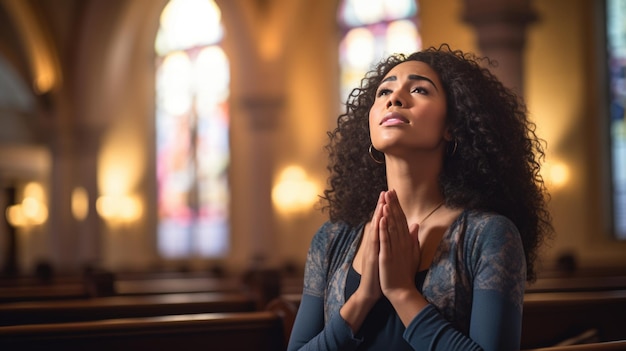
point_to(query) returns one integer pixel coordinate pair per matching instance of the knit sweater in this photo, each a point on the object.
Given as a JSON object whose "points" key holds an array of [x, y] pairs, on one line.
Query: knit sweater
{"points": [[474, 286]]}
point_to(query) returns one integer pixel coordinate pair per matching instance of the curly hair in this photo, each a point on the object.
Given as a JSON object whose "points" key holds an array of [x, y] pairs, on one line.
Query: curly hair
{"points": [[496, 155]]}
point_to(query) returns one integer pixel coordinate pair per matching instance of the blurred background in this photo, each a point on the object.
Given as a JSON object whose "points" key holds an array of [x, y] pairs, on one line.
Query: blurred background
{"points": [[188, 135]]}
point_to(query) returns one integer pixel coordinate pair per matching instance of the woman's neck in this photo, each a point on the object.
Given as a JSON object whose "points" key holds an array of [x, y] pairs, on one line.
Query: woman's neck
{"points": [[417, 188]]}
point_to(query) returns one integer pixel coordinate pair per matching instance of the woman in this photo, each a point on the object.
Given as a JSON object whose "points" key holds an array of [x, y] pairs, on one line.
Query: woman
{"points": [[436, 212]]}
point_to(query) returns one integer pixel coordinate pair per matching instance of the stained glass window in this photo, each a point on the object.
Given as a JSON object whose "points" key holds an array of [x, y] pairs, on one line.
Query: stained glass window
{"points": [[192, 128], [373, 29], [616, 40]]}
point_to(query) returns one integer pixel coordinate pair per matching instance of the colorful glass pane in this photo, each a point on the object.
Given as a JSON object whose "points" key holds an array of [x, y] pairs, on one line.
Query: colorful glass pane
{"points": [[373, 30], [192, 128], [616, 37]]}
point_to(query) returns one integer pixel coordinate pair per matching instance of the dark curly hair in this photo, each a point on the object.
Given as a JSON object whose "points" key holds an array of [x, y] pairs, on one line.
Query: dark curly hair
{"points": [[496, 160]]}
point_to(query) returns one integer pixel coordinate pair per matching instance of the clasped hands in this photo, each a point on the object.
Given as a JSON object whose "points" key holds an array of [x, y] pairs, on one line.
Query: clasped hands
{"points": [[391, 253]]}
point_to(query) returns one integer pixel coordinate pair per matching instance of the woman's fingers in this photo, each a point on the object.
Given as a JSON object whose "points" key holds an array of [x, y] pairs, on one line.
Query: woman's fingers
{"points": [[399, 249], [370, 281]]}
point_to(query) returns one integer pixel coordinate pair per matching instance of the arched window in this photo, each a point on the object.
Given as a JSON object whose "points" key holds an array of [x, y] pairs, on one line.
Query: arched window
{"points": [[192, 128], [616, 41], [373, 29]]}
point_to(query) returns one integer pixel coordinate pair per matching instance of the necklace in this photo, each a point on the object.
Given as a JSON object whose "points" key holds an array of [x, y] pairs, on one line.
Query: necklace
{"points": [[431, 212]]}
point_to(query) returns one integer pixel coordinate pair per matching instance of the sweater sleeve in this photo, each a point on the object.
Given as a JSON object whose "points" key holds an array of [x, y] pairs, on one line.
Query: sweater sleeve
{"points": [[497, 264], [310, 331], [495, 325]]}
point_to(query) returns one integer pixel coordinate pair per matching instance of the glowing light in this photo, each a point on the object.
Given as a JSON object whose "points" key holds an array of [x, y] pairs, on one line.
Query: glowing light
{"points": [[402, 37], [188, 23], [175, 76], [119, 209], [558, 174], [32, 210], [368, 11], [360, 47], [294, 191], [15, 216], [80, 203]]}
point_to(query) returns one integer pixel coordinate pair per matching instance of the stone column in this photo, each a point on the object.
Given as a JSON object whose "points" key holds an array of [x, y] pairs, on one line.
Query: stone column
{"points": [[501, 32], [263, 113]]}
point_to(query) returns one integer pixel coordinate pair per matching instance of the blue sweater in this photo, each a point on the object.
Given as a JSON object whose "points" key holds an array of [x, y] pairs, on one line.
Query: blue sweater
{"points": [[474, 286]]}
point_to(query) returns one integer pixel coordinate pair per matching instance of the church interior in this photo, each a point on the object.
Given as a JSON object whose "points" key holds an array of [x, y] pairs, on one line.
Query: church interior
{"points": [[97, 195]]}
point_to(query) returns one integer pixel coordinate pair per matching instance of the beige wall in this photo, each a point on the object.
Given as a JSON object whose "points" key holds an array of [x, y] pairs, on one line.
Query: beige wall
{"points": [[565, 100]]}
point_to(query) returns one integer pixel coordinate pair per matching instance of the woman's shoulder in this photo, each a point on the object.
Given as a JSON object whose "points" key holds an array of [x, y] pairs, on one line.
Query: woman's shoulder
{"points": [[330, 232], [480, 220], [487, 229]]}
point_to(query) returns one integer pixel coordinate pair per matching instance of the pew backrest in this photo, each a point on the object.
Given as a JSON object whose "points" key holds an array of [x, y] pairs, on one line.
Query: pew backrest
{"points": [[260, 330]]}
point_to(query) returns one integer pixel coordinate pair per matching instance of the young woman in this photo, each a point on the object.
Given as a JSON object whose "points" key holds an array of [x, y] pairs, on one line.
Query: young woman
{"points": [[436, 212]]}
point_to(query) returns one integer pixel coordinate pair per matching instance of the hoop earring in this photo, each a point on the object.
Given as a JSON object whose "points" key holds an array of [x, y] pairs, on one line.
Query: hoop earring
{"points": [[453, 152], [372, 155]]}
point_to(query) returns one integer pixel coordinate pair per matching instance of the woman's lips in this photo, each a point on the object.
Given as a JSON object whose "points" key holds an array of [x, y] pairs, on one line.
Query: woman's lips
{"points": [[393, 118]]}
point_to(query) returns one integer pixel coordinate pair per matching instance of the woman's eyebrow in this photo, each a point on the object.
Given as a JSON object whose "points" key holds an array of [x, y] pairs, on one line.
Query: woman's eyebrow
{"points": [[411, 77], [418, 77]]}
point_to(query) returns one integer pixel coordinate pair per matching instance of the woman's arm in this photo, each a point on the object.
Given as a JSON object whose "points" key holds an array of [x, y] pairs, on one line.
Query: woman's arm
{"points": [[309, 329], [497, 262], [310, 333]]}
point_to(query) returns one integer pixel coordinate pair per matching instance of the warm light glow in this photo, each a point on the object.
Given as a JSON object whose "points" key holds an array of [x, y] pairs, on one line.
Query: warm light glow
{"points": [[120, 168], [188, 23], [41, 53], [15, 216], [32, 210], [294, 191], [119, 209], [558, 174], [80, 203]]}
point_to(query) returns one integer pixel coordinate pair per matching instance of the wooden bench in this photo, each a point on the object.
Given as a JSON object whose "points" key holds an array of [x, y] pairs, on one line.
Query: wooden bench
{"points": [[123, 307], [577, 283], [260, 330], [596, 346], [551, 317]]}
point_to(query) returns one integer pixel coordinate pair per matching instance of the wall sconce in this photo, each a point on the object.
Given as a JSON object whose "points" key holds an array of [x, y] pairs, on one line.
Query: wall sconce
{"points": [[294, 192], [119, 209], [558, 174], [32, 210]]}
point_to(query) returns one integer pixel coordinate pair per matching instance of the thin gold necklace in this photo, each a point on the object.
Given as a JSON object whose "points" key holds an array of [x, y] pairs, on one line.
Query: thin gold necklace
{"points": [[431, 212]]}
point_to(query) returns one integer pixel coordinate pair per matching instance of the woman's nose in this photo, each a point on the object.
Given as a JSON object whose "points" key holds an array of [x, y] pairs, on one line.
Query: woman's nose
{"points": [[395, 100]]}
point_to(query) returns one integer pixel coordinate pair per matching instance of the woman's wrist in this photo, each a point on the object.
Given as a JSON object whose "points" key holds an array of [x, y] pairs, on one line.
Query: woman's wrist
{"points": [[356, 308], [407, 303]]}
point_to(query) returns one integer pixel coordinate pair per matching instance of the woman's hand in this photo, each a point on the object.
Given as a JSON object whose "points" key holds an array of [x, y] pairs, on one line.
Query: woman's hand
{"points": [[399, 256], [358, 306], [369, 288]]}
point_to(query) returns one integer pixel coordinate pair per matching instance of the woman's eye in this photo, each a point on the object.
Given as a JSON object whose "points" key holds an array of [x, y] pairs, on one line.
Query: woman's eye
{"points": [[383, 92], [420, 90]]}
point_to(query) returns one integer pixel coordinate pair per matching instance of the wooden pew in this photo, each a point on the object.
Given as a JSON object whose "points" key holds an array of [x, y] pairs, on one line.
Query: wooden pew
{"points": [[123, 306], [259, 330], [551, 317], [40, 292], [172, 285], [596, 346], [577, 283]]}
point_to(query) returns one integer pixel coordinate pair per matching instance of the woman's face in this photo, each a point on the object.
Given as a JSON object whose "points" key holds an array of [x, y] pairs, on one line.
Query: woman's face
{"points": [[409, 111]]}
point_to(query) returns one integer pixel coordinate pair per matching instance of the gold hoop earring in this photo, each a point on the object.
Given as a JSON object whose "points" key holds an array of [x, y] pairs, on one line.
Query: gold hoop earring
{"points": [[453, 152], [374, 158]]}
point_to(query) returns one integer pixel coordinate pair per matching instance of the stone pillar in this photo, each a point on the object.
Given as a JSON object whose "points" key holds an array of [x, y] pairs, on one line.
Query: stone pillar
{"points": [[501, 31], [263, 114]]}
